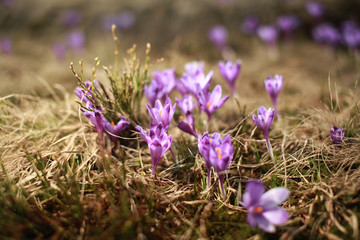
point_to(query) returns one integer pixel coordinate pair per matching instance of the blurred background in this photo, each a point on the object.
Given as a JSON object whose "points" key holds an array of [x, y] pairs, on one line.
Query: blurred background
{"points": [[305, 41]]}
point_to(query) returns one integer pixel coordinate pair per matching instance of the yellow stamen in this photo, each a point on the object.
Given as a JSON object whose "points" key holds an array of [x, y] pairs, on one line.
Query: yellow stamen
{"points": [[181, 118], [210, 140], [112, 123], [258, 209], [218, 151], [208, 104]]}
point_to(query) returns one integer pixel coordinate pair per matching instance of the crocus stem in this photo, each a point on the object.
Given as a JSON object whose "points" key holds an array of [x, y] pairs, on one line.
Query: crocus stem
{"points": [[268, 145], [174, 155], [208, 178], [221, 179]]}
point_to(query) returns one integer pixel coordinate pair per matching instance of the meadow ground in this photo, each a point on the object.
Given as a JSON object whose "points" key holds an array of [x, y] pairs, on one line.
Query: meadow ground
{"points": [[58, 182]]}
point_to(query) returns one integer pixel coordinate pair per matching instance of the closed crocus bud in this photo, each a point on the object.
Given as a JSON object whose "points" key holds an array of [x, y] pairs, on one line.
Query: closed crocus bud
{"points": [[187, 125], [273, 86], [230, 71], [218, 35], [262, 207], [337, 135]]}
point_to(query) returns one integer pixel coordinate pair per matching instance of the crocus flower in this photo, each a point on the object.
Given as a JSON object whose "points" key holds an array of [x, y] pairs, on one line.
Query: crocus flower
{"points": [[187, 106], [59, 51], [86, 95], [218, 35], [6, 45], [220, 156], [71, 18], [250, 25], [262, 207], [162, 84], [197, 83], [210, 102], [268, 34], [351, 34], [96, 118], [263, 121], [326, 34], [113, 130], [337, 135], [315, 9], [76, 40], [158, 142], [287, 24], [126, 19], [192, 68], [163, 114], [273, 86], [187, 125], [230, 71]]}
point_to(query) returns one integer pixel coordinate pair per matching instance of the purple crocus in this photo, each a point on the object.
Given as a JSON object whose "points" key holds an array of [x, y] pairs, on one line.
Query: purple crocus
{"points": [[192, 68], [59, 51], [250, 25], [210, 102], [326, 34], [337, 135], [220, 155], [113, 130], [287, 24], [163, 114], [268, 34], [86, 95], [187, 125], [262, 207], [194, 84], [263, 121], [218, 35], [76, 40], [158, 142], [351, 34], [315, 9], [96, 118], [273, 86], [187, 106], [71, 18], [6, 45], [162, 84], [230, 71]]}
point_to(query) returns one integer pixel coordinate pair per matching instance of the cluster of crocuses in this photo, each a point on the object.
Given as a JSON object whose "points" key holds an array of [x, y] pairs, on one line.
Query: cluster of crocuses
{"points": [[94, 112]]}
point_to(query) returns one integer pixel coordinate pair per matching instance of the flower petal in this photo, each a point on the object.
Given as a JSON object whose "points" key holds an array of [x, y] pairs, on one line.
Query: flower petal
{"points": [[264, 224], [274, 197], [277, 216], [255, 189]]}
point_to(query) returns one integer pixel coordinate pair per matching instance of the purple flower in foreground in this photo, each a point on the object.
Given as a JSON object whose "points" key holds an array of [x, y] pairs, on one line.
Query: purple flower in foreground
{"points": [[220, 155], [187, 125], [337, 135], [326, 34], [218, 35], [196, 83], [263, 121], [268, 34], [163, 114], [113, 130], [273, 86], [158, 142], [210, 102], [262, 207], [315, 9], [86, 95], [96, 118], [230, 71], [250, 25], [6, 45]]}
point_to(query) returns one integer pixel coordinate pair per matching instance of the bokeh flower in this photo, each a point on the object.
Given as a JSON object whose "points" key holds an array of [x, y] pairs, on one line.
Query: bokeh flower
{"points": [[262, 207], [76, 40], [158, 142], [218, 35], [287, 24], [230, 71], [315, 9], [193, 84], [326, 34], [268, 34], [6, 45], [273, 86], [162, 84], [250, 25]]}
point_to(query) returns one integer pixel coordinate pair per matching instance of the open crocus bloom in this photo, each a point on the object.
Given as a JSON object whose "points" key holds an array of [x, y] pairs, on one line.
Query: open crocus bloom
{"points": [[113, 130], [158, 142], [161, 85], [264, 119], [210, 102], [263, 210], [163, 114]]}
